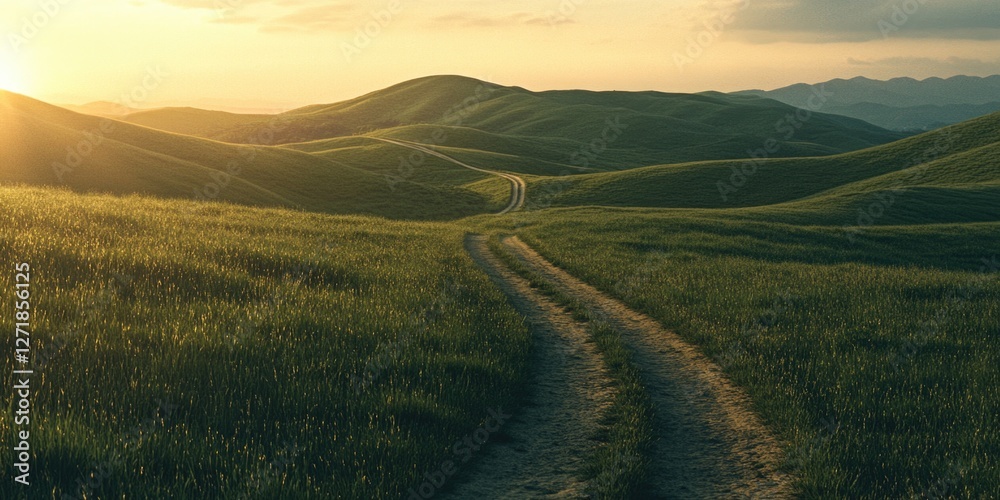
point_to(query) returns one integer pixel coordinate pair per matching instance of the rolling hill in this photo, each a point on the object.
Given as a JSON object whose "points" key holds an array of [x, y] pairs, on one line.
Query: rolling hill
{"points": [[939, 167], [500, 128], [190, 121], [592, 129], [841, 291], [101, 108], [50, 146]]}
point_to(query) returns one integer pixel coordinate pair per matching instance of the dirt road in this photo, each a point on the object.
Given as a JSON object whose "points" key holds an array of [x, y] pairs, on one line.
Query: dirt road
{"points": [[518, 189], [551, 434], [710, 444]]}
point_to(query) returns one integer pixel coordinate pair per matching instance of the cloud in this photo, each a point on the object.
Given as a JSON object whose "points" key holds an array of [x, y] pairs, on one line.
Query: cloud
{"points": [[318, 16], [237, 19], [822, 21], [472, 20], [331, 17], [284, 16], [230, 4]]}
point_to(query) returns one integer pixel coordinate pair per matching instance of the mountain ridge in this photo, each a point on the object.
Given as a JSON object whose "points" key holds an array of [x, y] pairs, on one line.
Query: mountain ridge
{"points": [[899, 104]]}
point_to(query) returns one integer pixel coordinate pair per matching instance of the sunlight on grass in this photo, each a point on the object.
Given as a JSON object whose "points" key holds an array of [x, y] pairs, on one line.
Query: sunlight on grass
{"points": [[211, 350]]}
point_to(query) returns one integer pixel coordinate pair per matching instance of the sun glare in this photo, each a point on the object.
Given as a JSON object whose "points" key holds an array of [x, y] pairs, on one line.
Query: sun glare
{"points": [[10, 79]]}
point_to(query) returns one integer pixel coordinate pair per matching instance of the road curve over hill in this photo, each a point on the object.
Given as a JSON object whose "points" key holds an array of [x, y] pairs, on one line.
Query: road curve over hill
{"points": [[518, 187]]}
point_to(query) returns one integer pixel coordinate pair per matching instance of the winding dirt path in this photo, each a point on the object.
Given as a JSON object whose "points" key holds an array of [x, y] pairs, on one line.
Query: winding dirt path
{"points": [[709, 443], [552, 433], [518, 189]]}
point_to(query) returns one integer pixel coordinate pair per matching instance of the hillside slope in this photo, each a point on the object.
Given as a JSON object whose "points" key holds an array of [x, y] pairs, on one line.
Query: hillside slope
{"points": [[963, 157], [662, 127], [50, 146], [190, 121]]}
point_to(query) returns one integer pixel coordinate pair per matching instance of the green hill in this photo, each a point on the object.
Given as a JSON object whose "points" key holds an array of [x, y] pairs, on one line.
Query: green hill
{"points": [[853, 296], [539, 156], [653, 127], [857, 350], [941, 164], [49, 146], [249, 335]]}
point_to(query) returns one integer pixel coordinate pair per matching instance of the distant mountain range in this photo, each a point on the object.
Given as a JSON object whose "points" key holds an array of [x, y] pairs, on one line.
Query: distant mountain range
{"points": [[901, 104]]}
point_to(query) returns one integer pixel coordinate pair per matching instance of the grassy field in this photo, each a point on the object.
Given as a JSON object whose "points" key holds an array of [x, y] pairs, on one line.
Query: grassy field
{"points": [[191, 350], [856, 297], [875, 360]]}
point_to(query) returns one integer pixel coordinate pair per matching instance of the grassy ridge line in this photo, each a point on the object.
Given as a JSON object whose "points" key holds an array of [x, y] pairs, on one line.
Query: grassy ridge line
{"points": [[192, 121], [618, 467], [671, 127], [857, 355], [968, 148], [295, 355], [50, 146]]}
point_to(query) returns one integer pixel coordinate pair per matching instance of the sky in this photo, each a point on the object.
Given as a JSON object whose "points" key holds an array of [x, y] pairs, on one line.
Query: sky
{"points": [[279, 54]]}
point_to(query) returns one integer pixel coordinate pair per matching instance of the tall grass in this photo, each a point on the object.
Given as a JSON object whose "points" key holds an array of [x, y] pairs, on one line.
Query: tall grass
{"points": [[207, 351], [876, 361]]}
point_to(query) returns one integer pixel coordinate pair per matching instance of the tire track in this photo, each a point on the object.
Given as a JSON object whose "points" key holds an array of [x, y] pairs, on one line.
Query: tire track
{"points": [[518, 189], [570, 389], [710, 444]]}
